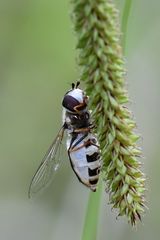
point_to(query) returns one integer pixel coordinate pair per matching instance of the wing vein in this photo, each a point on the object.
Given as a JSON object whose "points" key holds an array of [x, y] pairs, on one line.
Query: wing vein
{"points": [[48, 166]]}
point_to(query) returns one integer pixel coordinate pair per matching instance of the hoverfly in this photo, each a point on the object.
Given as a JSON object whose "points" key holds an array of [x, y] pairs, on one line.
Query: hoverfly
{"points": [[82, 145]]}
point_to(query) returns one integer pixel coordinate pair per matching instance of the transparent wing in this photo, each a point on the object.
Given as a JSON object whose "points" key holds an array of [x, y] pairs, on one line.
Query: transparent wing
{"points": [[48, 166]]}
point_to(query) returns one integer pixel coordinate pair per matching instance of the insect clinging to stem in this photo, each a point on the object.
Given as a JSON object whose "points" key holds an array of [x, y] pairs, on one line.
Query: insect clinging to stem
{"points": [[82, 145]]}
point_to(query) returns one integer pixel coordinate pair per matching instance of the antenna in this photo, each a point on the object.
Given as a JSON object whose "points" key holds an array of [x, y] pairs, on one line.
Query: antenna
{"points": [[73, 86], [77, 84]]}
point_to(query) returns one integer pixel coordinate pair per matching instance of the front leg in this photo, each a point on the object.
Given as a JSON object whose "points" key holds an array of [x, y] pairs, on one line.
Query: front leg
{"points": [[84, 144], [74, 146], [83, 130]]}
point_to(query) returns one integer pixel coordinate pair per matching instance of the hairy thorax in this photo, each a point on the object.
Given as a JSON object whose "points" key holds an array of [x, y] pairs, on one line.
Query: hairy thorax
{"points": [[77, 121]]}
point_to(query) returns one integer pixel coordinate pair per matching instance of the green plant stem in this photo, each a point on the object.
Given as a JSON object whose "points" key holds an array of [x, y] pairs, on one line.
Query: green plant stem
{"points": [[91, 218], [125, 17]]}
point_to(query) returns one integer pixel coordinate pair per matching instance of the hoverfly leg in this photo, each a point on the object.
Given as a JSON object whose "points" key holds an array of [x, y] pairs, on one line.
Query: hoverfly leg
{"points": [[74, 148], [81, 130]]}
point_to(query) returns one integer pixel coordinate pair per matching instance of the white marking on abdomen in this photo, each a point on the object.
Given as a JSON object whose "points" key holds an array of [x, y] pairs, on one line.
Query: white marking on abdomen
{"points": [[79, 160]]}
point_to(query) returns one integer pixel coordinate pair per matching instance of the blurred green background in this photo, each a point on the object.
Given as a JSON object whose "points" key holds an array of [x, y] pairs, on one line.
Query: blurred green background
{"points": [[37, 65]]}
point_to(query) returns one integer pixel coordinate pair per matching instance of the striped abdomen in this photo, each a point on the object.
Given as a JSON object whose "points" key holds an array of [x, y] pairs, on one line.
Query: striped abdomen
{"points": [[85, 159]]}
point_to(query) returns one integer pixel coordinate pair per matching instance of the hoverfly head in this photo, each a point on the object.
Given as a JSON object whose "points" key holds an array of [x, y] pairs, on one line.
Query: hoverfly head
{"points": [[75, 99]]}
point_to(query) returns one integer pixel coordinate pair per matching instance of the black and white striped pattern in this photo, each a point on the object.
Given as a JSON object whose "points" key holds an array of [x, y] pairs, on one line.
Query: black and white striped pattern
{"points": [[85, 161]]}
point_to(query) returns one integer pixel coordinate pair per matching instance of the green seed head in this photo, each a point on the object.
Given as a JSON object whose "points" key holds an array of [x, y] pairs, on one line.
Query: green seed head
{"points": [[102, 70]]}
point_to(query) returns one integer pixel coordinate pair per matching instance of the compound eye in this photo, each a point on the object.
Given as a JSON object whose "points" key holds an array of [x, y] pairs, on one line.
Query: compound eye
{"points": [[81, 107], [70, 103]]}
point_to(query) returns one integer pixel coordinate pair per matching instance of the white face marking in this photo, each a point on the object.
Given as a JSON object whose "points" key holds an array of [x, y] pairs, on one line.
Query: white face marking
{"points": [[77, 94]]}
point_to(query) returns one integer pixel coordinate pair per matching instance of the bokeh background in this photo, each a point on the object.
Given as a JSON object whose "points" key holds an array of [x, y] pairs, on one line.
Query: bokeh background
{"points": [[37, 65]]}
